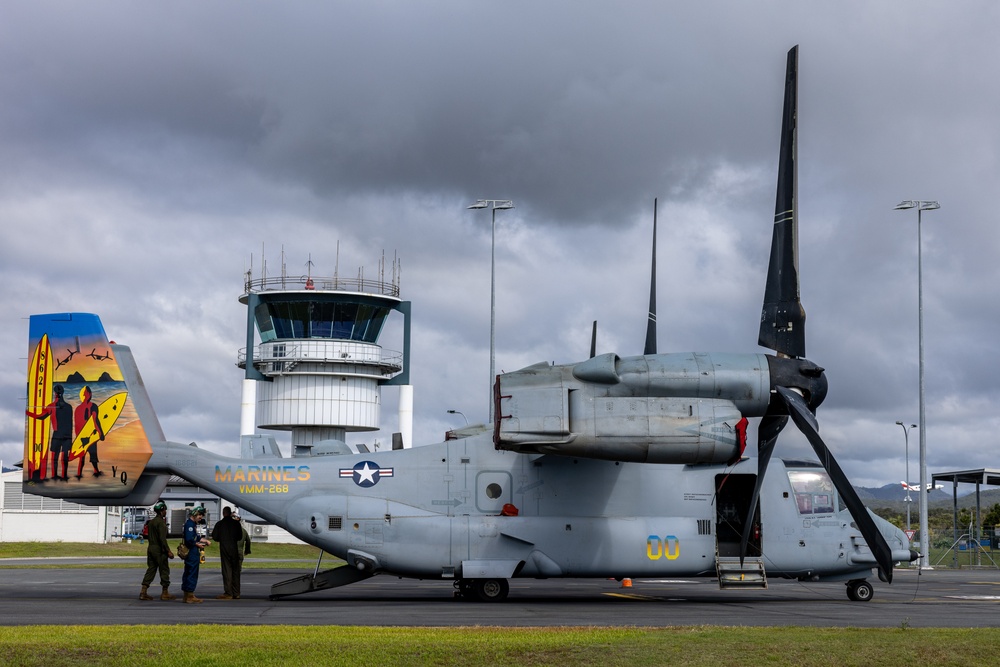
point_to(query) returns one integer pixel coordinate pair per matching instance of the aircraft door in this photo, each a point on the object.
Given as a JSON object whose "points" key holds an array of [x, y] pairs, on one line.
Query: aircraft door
{"points": [[732, 503]]}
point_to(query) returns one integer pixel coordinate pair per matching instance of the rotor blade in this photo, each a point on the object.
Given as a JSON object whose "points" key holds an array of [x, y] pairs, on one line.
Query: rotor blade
{"points": [[651, 320], [593, 341], [767, 433], [782, 319], [806, 422]]}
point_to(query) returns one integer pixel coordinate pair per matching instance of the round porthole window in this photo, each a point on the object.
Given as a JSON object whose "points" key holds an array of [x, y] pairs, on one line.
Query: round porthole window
{"points": [[494, 491]]}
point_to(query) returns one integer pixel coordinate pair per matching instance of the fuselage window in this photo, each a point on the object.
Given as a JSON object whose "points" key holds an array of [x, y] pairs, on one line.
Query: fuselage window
{"points": [[814, 492]]}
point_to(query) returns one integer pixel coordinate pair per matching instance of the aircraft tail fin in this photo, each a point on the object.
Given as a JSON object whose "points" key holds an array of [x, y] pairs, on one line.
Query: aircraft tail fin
{"points": [[89, 422]]}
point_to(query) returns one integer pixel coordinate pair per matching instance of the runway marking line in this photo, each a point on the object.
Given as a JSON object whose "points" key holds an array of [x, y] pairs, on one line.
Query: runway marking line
{"points": [[981, 598], [632, 596]]}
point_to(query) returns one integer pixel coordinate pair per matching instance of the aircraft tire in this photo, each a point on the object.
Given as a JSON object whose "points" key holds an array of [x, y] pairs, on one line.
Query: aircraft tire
{"points": [[860, 590], [491, 590]]}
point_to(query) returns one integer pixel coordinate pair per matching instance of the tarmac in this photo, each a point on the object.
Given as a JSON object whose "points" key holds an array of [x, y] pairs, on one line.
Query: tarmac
{"points": [[101, 595]]}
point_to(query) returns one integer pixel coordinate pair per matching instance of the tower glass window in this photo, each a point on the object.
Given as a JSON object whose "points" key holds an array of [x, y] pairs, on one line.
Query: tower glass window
{"points": [[338, 320]]}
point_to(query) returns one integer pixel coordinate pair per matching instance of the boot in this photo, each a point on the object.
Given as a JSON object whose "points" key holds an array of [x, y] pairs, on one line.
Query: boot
{"points": [[144, 595], [165, 595], [189, 598]]}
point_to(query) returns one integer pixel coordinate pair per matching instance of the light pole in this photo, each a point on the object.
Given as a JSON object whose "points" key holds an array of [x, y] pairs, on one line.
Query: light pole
{"points": [[495, 204], [906, 442], [925, 538], [459, 412]]}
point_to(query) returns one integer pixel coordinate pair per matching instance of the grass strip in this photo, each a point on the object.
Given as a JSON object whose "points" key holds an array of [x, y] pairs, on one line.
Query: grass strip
{"points": [[294, 646]]}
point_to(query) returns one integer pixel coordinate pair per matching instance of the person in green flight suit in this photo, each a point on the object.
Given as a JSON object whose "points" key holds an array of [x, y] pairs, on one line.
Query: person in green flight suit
{"points": [[227, 533], [158, 554], [243, 548]]}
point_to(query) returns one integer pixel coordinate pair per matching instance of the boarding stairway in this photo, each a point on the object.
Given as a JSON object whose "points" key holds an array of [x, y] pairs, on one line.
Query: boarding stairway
{"points": [[318, 581], [734, 574]]}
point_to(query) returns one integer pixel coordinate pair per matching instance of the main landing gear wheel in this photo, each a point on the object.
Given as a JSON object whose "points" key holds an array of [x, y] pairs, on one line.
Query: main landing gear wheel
{"points": [[860, 590], [484, 590], [491, 590]]}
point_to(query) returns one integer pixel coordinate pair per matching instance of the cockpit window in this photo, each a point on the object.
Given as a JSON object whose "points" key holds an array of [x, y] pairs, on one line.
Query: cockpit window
{"points": [[813, 490]]}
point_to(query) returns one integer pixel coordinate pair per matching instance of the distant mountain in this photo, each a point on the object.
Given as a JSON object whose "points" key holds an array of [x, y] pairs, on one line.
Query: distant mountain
{"points": [[76, 377], [894, 495], [896, 492]]}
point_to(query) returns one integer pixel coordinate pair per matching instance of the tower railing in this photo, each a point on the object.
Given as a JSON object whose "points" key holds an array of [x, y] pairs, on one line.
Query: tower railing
{"points": [[384, 363], [334, 284]]}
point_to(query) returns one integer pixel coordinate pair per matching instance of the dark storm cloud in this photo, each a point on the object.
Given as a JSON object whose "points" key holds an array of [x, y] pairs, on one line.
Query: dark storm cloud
{"points": [[443, 98]]}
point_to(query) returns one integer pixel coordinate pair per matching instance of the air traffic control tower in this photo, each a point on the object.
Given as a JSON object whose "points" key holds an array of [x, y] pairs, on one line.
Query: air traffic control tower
{"points": [[313, 363]]}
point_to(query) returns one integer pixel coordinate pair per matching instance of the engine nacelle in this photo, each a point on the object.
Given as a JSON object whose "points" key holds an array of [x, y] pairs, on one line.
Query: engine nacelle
{"points": [[666, 408]]}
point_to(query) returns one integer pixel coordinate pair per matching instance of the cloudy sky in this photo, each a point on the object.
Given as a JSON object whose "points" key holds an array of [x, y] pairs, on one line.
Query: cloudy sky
{"points": [[152, 151]]}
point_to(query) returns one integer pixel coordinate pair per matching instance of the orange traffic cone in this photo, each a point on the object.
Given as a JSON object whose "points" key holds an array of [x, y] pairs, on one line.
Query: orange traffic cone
{"points": [[626, 583]]}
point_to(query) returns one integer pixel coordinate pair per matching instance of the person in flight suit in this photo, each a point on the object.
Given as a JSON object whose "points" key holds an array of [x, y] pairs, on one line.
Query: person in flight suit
{"points": [[227, 533], [192, 563], [158, 554]]}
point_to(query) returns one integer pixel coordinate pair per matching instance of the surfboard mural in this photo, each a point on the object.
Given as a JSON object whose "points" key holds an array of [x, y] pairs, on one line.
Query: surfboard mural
{"points": [[78, 410], [36, 446]]}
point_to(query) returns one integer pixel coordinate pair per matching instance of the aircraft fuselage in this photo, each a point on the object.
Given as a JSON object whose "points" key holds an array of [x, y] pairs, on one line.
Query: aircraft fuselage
{"points": [[436, 512]]}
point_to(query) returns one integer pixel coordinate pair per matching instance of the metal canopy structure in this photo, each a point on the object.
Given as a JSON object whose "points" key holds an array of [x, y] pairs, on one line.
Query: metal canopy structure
{"points": [[987, 476]]}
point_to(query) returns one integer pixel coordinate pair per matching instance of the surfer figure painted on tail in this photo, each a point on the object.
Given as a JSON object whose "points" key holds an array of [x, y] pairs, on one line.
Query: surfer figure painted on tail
{"points": [[60, 415], [105, 418], [88, 425]]}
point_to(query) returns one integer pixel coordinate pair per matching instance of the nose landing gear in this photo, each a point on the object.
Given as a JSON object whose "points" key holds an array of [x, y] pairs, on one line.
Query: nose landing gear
{"points": [[859, 590]]}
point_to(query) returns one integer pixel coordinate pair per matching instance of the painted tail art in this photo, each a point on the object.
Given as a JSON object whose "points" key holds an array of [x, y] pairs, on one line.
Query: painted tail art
{"points": [[86, 409]]}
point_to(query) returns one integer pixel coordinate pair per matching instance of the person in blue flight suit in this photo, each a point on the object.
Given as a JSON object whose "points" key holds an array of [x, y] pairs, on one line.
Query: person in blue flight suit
{"points": [[192, 562]]}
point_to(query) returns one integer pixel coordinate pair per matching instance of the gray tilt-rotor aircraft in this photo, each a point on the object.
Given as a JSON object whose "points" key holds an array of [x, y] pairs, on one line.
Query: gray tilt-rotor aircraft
{"points": [[611, 467]]}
